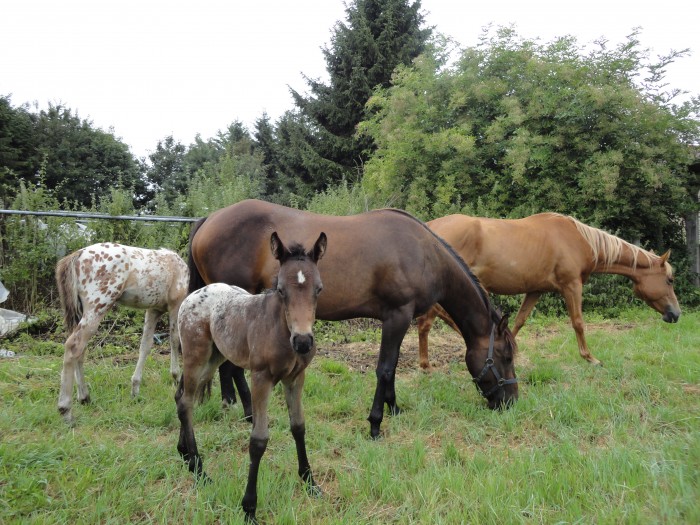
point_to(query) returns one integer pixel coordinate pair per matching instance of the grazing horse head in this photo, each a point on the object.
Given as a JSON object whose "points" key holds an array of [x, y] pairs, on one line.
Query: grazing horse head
{"points": [[491, 363], [298, 286], [654, 286]]}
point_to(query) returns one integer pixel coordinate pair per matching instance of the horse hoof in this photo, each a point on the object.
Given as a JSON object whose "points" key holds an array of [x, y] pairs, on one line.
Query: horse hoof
{"points": [[203, 479], [226, 403], [250, 518], [68, 418], [314, 490], [395, 410]]}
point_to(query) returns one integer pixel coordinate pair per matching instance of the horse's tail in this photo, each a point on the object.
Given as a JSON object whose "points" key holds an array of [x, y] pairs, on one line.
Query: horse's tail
{"points": [[196, 281], [67, 283]]}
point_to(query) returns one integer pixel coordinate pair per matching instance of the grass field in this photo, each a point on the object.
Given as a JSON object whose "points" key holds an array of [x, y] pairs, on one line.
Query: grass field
{"points": [[612, 444]]}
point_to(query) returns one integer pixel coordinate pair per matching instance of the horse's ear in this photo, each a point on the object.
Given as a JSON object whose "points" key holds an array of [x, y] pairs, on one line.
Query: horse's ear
{"points": [[320, 247], [665, 256], [503, 325], [278, 249]]}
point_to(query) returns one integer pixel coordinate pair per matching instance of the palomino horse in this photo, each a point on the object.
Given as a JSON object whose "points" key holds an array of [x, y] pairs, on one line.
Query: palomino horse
{"points": [[383, 264], [549, 252], [270, 334], [92, 280]]}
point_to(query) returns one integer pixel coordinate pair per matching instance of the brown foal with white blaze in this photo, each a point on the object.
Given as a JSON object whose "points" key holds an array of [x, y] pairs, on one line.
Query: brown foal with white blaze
{"points": [[549, 252], [271, 334]]}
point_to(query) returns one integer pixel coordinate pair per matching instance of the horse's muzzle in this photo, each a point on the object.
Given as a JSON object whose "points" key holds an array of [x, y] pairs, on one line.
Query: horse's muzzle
{"points": [[504, 398], [302, 343], [671, 315]]}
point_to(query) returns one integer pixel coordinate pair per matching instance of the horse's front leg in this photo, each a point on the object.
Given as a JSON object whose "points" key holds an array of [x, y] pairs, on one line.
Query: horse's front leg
{"points": [[149, 328], [394, 328], [262, 387], [292, 394]]}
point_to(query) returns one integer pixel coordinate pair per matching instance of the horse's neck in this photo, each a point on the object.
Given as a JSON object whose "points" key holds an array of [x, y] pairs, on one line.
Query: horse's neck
{"points": [[466, 303], [627, 264]]}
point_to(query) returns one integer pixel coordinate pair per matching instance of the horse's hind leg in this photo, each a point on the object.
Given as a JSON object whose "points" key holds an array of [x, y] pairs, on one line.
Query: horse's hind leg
{"points": [[425, 323], [292, 394], [573, 298], [174, 342], [73, 358], [149, 328], [243, 391], [525, 310], [228, 394], [187, 445]]}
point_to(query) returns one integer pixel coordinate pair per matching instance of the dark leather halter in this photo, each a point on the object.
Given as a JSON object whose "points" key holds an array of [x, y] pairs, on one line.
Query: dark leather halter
{"points": [[500, 381]]}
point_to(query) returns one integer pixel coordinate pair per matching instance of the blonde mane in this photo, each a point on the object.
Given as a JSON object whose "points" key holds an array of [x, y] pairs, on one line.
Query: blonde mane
{"points": [[608, 248]]}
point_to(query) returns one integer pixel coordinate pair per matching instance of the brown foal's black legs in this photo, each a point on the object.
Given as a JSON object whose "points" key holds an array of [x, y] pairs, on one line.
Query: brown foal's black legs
{"points": [[250, 497]]}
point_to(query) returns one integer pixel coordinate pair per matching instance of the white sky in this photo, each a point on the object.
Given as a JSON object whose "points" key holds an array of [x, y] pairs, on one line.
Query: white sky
{"points": [[151, 68]]}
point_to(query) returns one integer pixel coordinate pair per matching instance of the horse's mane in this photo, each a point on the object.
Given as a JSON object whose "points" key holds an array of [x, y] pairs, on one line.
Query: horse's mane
{"points": [[297, 251], [608, 248], [460, 261]]}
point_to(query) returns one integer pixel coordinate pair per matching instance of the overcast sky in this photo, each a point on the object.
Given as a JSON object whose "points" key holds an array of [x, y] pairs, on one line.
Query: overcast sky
{"points": [[151, 68]]}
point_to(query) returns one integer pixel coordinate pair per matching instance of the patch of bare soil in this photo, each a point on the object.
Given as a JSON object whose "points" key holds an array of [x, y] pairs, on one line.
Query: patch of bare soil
{"points": [[445, 348]]}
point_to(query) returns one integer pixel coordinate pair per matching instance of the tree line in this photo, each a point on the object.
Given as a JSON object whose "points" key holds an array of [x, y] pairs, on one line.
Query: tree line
{"points": [[410, 119]]}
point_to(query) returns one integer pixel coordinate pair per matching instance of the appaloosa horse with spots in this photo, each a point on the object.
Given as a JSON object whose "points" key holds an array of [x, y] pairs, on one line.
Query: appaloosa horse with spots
{"points": [[271, 334], [383, 264], [92, 280]]}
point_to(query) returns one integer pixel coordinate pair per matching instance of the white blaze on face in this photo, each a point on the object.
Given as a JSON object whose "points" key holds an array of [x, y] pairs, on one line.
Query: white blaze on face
{"points": [[301, 278]]}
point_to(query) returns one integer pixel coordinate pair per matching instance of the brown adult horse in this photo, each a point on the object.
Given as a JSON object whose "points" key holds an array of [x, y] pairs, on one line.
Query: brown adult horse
{"points": [[270, 334], [383, 264], [549, 252]]}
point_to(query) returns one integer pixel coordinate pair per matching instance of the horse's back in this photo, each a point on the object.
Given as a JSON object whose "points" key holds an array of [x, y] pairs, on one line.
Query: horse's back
{"points": [[132, 276], [366, 264], [517, 255]]}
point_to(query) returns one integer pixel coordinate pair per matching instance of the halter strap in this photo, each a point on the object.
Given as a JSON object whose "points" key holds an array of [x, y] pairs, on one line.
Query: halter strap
{"points": [[500, 381]]}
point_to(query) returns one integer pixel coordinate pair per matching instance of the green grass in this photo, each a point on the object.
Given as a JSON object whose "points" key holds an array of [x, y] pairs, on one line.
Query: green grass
{"points": [[617, 444]]}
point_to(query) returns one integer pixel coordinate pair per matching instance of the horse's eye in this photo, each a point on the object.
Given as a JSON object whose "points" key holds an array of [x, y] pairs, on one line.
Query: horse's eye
{"points": [[280, 291], [319, 290], [669, 282]]}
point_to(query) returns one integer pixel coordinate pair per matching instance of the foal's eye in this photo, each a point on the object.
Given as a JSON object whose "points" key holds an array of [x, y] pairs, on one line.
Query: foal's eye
{"points": [[669, 282], [280, 291], [319, 290]]}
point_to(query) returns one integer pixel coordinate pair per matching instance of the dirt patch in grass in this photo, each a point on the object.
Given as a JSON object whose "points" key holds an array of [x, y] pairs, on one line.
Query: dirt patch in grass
{"points": [[446, 347]]}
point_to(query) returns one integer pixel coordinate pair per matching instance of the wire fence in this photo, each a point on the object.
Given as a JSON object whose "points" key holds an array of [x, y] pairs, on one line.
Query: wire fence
{"points": [[88, 215]]}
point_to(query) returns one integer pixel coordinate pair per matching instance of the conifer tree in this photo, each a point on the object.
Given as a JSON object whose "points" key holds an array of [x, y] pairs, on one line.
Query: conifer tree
{"points": [[377, 36]]}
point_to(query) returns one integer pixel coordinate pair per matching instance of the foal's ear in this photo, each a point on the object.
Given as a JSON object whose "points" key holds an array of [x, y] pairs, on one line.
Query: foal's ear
{"points": [[278, 249], [665, 257], [320, 247], [503, 325]]}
